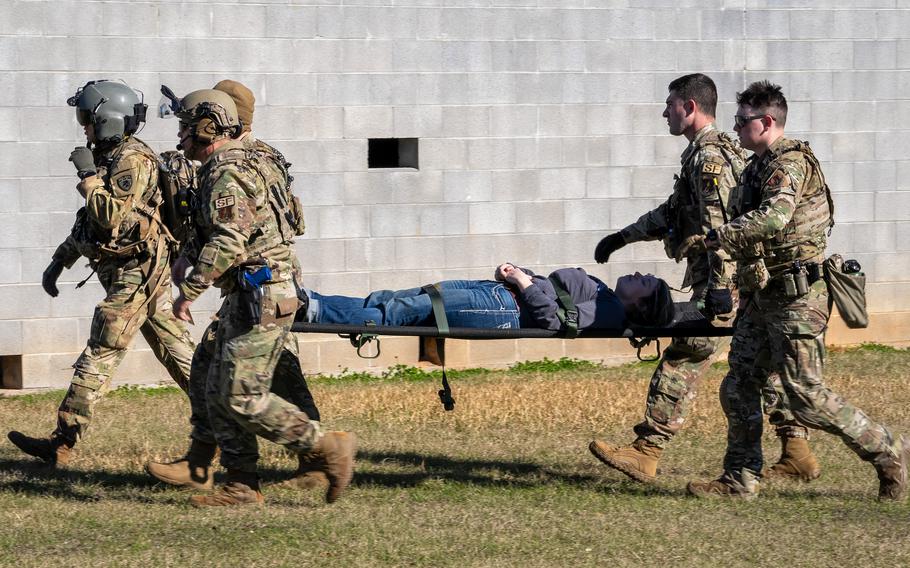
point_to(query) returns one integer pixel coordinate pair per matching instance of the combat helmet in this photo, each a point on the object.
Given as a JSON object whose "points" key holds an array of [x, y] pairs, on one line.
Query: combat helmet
{"points": [[113, 108], [213, 114]]}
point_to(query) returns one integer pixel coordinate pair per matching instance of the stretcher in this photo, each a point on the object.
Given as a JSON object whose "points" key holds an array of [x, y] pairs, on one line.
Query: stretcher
{"points": [[688, 322]]}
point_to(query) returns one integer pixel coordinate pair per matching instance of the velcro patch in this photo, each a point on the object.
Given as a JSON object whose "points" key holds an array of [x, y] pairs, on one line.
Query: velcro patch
{"points": [[125, 182], [779, 179], [207, 256], [224, 202], [711, 169]]}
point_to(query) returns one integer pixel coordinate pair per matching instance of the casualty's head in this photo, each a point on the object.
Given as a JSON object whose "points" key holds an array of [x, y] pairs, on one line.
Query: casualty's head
{"points": [[206, 117], [108, 111], [646, 298], [243, 98]]}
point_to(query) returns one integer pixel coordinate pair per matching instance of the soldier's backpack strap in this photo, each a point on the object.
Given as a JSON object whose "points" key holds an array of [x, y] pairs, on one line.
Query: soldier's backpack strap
{"points": [[566, 312]]}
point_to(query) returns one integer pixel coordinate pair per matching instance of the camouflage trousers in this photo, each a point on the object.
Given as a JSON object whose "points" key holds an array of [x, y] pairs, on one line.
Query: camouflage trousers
{"points": [[674, 387], [125, 310], [240, 403], [288, 383], [788, 335]]}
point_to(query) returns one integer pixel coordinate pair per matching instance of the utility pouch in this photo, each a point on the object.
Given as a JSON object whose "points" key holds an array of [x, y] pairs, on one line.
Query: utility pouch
{"points": [[788, 282], [752, 276], [847, 290], [801, 279]]}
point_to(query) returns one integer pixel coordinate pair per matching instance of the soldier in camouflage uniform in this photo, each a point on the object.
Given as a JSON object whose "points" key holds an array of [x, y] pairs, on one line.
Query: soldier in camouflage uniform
{"points": [[783, 211], [246, 230], [120, 232], [711, 166], [194, 469]]}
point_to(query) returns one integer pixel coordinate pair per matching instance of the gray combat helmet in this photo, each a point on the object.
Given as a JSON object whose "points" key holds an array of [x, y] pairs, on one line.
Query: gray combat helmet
{"points": [[115, 110]]}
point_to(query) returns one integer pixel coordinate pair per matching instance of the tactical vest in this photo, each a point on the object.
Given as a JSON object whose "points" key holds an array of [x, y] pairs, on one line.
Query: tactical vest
{"points": [[804, 237], [140, 228], [286, 206], [685, 209], [264, 237]]}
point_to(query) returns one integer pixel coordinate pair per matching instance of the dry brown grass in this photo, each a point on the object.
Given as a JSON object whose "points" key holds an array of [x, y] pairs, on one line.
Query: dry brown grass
{"points": [[504, 480]]}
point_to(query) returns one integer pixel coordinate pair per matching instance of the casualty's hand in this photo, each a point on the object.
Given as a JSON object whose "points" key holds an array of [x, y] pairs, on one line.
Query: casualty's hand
{"points": [[691, 246], [179, 269], [182, 309], [607, 246], [84, 161], [49, 278]]}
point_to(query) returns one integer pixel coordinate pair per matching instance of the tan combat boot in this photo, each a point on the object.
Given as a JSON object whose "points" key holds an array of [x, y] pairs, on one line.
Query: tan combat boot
{"points": [[334, 455], [726, 486], [241, 488], [797, 462], [310, 473], [192, 470], [54, 450], [892, 472], [638, 460]]}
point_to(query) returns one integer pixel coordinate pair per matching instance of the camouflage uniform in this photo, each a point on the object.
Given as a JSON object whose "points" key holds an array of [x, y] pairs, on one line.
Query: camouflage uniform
{"points": [[289, 381], [119, 230], [783, 213], [241, 226], [711, 166]]}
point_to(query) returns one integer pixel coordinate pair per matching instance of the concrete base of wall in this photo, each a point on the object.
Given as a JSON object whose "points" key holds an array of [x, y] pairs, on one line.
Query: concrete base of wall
{"points": [[327, 354]]}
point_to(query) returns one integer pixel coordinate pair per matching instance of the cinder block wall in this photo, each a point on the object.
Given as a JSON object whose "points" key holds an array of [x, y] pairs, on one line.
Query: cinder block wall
{"points": [[539, 131]]}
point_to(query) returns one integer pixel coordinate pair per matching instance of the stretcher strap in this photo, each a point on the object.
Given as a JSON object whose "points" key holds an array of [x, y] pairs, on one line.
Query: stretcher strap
{"points": [[566, 312], [442, 325]]}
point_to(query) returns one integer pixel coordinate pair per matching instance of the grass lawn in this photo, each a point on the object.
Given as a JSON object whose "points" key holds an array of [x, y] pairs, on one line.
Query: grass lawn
{"points": [[504, 480]]}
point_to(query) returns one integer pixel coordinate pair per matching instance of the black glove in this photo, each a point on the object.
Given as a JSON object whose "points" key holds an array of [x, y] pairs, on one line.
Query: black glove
{"points": [[84, 161], [718, 302], [607, 246], [49, 278]]}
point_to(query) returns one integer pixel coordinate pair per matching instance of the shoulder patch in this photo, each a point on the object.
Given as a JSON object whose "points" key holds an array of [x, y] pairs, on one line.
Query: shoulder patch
{"points": [[779, 178], [125, 182], [711, 169], [223, 202]]}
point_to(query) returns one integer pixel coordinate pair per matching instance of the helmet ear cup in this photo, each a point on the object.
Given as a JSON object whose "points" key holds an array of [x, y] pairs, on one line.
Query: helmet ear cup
{"points": [[206, 131]]}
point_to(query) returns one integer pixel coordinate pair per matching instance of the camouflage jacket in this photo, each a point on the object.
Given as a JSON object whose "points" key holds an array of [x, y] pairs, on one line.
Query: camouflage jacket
{"points": [[235, 223], [120, 219], [711, 167], [782, 209]]}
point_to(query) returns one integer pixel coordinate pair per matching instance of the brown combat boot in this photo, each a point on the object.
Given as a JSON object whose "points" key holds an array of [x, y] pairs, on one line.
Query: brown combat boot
{"points": [[892, 472], [310, 473], [334, 455], [797, 462], [192, 470], [638, 460], [54, 450], [241, 488], [726, 486]]}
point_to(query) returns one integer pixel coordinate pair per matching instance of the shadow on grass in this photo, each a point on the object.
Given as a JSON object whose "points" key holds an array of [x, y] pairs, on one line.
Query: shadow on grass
{"points": [[33, 477]]}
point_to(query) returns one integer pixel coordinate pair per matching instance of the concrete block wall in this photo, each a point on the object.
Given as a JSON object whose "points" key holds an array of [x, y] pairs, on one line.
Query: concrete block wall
{"points": [[539, 131]]}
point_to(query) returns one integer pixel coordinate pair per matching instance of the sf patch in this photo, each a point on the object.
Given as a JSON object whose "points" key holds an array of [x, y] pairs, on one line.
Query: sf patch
{"points": [[224, 205], [711, 169]]}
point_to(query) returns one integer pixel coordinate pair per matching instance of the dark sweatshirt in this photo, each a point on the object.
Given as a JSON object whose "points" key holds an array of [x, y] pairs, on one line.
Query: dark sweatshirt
{"points": [[597, 305]]}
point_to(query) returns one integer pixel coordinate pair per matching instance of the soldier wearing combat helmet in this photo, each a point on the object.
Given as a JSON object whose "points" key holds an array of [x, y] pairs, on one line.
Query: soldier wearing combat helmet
{"points": [[194, 469], [783, 211], [248, 253], [120, 232]]}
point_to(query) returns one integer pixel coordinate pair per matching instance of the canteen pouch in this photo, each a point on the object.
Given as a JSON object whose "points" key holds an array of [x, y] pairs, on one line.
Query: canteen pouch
{"points": [[847, 291]]}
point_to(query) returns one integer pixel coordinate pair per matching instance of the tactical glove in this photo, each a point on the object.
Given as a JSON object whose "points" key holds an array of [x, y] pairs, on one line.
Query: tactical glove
{"points": [[607, 246], [718, 302], [49, 278], [84, 161], [692, 245]]}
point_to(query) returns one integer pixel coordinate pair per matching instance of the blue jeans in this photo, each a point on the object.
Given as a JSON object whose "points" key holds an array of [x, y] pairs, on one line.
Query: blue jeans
{"points": [[468, 303]]}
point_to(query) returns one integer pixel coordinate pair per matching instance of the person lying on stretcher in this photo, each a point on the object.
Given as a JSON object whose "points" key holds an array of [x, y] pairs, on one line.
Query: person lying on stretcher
{"points": [[516, 298]]}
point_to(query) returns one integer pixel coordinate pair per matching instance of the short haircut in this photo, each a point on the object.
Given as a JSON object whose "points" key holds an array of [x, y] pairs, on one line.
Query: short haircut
{"points": [[656, 310], [766, 98], [698, 87]]}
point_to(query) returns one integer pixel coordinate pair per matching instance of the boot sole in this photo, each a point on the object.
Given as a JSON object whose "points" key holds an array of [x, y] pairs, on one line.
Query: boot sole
{"points": [[620, 466]]}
